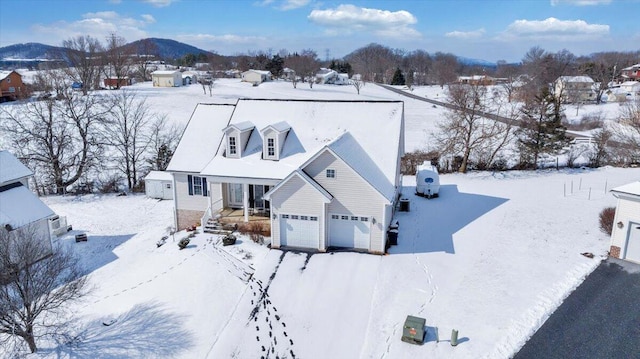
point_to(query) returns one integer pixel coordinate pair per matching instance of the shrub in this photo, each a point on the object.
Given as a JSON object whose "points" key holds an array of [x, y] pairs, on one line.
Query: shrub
{"points": [[410, 161], [256, 230], [606, 220]]}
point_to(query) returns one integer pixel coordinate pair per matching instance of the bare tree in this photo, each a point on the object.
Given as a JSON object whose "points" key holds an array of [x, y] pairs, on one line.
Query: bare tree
{"points": [[146, 50], [627, 131], [444, 68], [126, 131], [600, 152], [163, 142], [57, 137], [465, 132], [37, 284], [51, 81], [358, 84], [374, 61], [305, 64], [83, 53], [117, 59]]}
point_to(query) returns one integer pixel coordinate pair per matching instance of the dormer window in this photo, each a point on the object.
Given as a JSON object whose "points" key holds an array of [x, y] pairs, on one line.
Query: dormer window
{"points": [[271, 147], [233, 148]]}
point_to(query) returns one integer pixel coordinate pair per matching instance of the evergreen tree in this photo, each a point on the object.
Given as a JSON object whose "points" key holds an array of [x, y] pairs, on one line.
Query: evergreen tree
{"points": [[541, 130], [275, 65], [398, 77]]}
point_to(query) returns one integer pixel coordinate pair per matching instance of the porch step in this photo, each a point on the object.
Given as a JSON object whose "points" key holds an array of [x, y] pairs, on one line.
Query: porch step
{"points": [[214, 226]]}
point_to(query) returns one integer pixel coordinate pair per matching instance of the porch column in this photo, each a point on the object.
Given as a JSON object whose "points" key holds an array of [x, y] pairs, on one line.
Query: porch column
{"points": [[245, 201]]}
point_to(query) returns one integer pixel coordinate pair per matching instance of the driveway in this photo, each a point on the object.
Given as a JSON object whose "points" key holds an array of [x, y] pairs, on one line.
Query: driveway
{"points": [[600, 319]]}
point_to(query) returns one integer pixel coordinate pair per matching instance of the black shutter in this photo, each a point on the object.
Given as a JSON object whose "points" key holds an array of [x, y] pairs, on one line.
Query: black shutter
{"points": [[204, 187], [190, 180]]}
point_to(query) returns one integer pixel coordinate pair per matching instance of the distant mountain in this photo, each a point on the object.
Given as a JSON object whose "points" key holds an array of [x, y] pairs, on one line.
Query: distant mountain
{"points": [[475, 62], [30, 51], [166, 49]]}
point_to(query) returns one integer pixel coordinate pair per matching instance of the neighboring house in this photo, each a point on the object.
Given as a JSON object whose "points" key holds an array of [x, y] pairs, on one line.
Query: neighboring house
{"points": [[189, 77], [631, 73], [11, 85], [114, 82], [159, 184], [631, 89], [328, 76], [625, 237], [19, 207], [481, 80], [256, 76], [166, 78], [288, 74], [327, 173], [574, 89]]}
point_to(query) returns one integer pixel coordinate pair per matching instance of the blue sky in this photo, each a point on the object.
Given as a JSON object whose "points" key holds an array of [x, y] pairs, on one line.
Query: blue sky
{"points": [[490, 29]]}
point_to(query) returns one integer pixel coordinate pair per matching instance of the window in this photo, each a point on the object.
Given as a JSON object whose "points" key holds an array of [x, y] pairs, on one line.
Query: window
{"points": [[284, 216], [168, 185], [197, 186], [304, 218], [335, 216], [331, 173], [294, 216], [354, 218], [312, 218], [271, 147], [364, 219], [345, 218], [232, 145]]}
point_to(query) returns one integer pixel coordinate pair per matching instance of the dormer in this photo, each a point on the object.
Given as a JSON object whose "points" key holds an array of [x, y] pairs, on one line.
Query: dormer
{"points": [[273, 137], [236, 137]]}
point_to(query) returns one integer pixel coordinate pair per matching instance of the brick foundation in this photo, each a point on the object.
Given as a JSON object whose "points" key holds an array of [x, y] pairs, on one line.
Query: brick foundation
{"points": [[614, 252], [187, 218]]}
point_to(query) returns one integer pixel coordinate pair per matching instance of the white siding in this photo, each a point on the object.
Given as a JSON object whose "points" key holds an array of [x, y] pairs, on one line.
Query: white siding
{"points": [[352, 195], [627, 210], [293, 197], [183, 200]]}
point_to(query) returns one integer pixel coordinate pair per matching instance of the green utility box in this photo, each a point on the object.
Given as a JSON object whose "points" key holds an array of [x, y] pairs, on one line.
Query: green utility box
{"points": [[413, 330]]}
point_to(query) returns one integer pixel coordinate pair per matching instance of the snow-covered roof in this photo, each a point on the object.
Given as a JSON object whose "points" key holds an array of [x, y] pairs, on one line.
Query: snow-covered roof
{"points": [[164, 72], [349, 150], [201, 137], [631, 67], [305, 177], [159, 176], [575, 79], [375, 125], [11, 169], [5, 74], [632, 188], [241, 126], [19, 207], [261, 72], [281, 126]]}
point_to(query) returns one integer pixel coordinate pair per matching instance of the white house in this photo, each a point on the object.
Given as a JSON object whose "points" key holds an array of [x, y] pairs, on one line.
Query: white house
{"points": [[326, 172], [189, 77], [159, 184], [329, 76], [19, 207], [631, 89], [166, 78], [256, 76], [574, 89], [625, 237]]}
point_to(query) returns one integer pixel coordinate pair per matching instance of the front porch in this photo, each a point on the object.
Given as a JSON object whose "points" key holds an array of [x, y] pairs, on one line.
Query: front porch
{"points": [[233, 215]]}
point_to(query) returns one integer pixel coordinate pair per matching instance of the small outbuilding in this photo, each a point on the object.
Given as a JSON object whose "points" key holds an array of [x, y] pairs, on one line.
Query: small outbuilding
{"points": [[166, 78], [256, 76], [159, 184], [625, 236]]}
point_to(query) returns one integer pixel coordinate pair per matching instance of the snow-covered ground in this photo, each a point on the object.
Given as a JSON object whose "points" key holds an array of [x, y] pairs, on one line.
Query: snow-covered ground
{"points": [[492, 257]]}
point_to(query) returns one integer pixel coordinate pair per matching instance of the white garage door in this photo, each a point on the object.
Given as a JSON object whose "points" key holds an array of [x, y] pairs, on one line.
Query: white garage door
{"points": [[299, 231], [633, 243], [349, 231]]}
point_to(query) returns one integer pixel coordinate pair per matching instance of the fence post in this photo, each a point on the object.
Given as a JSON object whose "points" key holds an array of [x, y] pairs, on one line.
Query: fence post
{"points": [[454, 337]]}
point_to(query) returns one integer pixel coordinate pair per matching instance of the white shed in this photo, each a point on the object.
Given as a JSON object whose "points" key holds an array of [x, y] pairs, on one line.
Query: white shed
{"points": [[159, 184], [625, 236], [164, 78], [256, 76]]}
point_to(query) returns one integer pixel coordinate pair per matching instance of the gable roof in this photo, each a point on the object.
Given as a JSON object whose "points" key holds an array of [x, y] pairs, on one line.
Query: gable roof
{"points": [[242, 126], [632, 188], [5, 74], [165, 72], [580, 79], [375, 125], [281, 126], [159, 176], [11, 169], [201, 137], [303, 176], [20, 207]]}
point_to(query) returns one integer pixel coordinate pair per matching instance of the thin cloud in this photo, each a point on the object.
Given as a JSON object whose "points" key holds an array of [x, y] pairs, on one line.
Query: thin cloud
{"points": [[581, 2], [554, 29], [148, 18], [224, 39], [357, 19], [96, 24], [159, 3], [466, 35], [294, 4]]}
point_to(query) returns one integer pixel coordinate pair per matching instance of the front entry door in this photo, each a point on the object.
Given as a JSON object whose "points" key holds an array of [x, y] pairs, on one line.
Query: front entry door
{"points": [[235, 194]]}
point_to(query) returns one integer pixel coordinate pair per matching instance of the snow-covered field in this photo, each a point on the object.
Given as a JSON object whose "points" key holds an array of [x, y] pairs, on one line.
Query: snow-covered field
{"points": [[492, 258]]}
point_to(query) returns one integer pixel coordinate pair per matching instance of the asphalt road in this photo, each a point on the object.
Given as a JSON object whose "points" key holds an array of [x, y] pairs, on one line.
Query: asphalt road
{"points": [[600, 319]]}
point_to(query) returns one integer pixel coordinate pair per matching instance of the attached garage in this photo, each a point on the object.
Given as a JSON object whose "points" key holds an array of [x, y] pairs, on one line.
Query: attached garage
{"points": [[625, 236], [299, 231], [349, 231]]}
